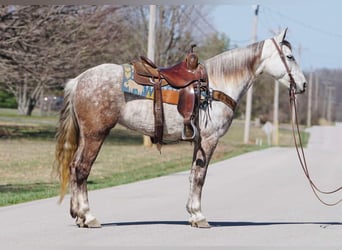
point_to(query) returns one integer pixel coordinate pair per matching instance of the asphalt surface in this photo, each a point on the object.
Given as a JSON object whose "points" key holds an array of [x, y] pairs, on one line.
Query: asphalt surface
{"points": [[259, 199]]}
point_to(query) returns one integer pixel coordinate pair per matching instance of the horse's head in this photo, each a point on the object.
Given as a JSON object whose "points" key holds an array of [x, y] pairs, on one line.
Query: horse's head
{"points": [[278, 61]]}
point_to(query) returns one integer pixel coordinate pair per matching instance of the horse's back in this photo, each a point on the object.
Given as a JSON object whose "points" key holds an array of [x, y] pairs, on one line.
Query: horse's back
{"points": [[101, 73]]}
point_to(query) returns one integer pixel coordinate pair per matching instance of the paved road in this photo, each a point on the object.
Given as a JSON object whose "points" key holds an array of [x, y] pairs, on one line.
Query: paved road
{"points": [[257, 199]]}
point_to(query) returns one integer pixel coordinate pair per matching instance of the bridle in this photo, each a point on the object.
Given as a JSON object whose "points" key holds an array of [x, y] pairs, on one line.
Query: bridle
{"points": [[288, 71], [298, 143]]}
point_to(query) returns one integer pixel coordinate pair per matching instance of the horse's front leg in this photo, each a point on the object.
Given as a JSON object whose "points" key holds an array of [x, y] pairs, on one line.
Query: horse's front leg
{"points": [[203, 151]]}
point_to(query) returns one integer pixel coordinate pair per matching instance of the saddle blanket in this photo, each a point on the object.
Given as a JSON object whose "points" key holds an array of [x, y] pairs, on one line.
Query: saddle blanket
{"points": [[170, 95]]}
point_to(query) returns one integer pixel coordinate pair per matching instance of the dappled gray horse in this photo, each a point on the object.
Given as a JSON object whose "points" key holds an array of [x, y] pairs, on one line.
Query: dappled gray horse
{"points": [[94, 103]]}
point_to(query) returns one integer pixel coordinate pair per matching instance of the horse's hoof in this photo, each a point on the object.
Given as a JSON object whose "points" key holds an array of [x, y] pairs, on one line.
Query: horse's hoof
{"points": [[94, 223], [200, 224], [79, 222]]}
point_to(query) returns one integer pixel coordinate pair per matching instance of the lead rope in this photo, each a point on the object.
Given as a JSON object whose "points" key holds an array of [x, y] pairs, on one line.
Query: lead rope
{"points": [[301, 155]]}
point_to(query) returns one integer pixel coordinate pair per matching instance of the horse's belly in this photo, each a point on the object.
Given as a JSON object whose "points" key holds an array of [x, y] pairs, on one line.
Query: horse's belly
{"points": [[138, 116]]}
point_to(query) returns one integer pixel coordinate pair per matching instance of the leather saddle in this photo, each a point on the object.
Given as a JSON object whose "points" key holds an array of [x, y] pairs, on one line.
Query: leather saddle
{"points": [[189, 77], [178, 76]]}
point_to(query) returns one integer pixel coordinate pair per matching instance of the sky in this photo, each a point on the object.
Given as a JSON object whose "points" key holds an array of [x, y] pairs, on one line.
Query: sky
{"points": [[314, 28]]}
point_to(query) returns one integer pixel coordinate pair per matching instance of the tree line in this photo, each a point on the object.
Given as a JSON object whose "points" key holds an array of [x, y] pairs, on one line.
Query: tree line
{"points": [[41, 47]]}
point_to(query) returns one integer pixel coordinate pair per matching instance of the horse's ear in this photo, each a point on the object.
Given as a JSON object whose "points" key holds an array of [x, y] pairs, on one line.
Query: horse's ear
{"points": [[282, 35]]}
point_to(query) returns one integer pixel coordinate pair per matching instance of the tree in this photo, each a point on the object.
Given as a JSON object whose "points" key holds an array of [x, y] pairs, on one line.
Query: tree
{"points": [[213, 45], [326, 96], [41, 47], [176, 31], [7, 100]]}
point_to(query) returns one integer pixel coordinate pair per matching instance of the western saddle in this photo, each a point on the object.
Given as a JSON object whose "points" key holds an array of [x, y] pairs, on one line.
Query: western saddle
{"points": [[189, 77]]}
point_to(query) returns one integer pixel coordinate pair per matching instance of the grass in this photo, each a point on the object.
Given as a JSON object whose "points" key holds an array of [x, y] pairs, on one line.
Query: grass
{"points": [[27, 155]]}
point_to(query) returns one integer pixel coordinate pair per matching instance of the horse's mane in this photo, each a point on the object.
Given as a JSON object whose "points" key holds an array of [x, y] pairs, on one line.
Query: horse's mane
{"points": [[235, 63]]}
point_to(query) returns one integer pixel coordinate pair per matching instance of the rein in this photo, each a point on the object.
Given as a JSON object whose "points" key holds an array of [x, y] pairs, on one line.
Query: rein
{"points": [[299, 144], [301, 155]]}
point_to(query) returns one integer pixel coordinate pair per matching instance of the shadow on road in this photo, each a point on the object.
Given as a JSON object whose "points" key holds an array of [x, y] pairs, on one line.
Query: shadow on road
{"points": [[221, 223]]}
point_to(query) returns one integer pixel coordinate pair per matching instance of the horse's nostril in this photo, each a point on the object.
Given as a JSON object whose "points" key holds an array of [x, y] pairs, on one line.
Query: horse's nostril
{"points": [[303, 89]]}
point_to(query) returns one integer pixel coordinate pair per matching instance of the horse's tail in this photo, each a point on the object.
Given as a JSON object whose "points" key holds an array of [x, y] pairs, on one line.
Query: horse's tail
{"points": [[67, 137]]}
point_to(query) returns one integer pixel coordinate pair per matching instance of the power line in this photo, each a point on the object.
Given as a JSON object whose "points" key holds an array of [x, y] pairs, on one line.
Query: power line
{"points": [[303, 24], [196, 25], [206, 21]]}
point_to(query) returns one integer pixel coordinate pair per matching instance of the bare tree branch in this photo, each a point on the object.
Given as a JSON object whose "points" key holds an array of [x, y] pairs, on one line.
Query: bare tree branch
{"points": [[43, 46]]}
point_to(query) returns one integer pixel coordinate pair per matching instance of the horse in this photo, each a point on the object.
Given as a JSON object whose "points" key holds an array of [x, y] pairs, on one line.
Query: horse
{"points": [[94, 103]]}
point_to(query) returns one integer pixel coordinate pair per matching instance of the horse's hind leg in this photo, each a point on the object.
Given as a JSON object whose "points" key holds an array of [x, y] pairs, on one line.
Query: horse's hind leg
{"points": [[84, 158]]}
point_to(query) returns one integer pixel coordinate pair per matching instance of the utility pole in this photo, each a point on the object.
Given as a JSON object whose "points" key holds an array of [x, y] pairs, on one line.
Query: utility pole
{"points": [[151, 50], [250, 90], [308, 118], [275, 135], [152, 33], [330, 102], [325, 97], [316, 94]]}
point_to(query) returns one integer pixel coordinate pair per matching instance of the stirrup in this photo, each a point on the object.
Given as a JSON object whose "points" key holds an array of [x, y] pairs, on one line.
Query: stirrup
{"points": [[194, 131]]}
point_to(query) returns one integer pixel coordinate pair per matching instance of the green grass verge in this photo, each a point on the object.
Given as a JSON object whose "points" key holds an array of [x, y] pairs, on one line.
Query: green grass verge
{"points": [[27, 155]]}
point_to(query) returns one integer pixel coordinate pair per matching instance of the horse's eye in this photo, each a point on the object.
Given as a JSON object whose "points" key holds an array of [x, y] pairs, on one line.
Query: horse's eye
{"points": [[290, 57]]}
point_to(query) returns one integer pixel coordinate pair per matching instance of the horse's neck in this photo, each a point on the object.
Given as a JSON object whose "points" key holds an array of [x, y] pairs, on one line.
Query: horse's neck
{"points": [[234, 71]]}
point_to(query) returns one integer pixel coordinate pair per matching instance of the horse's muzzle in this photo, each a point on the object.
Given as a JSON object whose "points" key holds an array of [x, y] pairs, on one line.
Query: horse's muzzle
{"points": [[300, 91]]}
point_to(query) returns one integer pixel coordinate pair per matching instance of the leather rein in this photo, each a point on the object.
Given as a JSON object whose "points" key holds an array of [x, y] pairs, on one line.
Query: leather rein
{"points": [[298, 143]]}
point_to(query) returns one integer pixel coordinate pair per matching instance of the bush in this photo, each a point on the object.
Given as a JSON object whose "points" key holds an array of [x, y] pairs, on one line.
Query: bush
{"points": [[7, 100]]}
